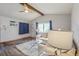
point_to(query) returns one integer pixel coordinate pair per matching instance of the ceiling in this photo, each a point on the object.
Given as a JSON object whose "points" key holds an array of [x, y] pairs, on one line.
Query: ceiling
{"points": [[53, 8], [12, 10]]}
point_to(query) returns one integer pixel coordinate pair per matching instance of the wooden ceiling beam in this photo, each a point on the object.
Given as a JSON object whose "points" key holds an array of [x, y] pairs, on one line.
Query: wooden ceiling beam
{"points": [[31, 7]]}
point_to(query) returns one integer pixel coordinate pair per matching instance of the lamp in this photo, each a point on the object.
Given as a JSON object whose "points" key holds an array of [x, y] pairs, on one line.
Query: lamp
{"points": [[60, 39]]}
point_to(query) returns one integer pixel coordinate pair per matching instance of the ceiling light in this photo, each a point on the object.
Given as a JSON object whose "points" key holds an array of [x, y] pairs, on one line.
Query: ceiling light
{"points": [[26, 11]]}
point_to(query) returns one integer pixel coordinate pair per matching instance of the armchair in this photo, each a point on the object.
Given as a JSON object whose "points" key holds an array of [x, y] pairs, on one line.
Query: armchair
{"points": [[60, 43]]}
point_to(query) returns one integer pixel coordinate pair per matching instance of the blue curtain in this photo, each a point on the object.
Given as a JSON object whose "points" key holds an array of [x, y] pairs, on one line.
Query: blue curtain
{"points": [[50, 24], [36, 27]]}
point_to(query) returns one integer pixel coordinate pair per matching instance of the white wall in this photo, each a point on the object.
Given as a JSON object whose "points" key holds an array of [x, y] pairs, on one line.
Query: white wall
{"points": [[75, 22], [59, 21], [62, 21], [10, 32]]}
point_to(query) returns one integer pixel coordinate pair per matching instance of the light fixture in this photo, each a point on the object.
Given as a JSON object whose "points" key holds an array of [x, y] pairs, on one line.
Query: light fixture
{"points": [[26, 11], [26, 8]]}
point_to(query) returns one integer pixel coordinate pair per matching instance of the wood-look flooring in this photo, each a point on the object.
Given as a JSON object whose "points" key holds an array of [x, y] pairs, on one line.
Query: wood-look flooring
{"points": [[11, 50]]}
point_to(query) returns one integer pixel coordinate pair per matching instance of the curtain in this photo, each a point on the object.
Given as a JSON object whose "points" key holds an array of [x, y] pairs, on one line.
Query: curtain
{"points": [[50, 24], [36, 27]]}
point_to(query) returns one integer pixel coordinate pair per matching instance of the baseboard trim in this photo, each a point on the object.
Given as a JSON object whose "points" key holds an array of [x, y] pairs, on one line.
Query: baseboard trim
{"points": [[5, 42]]}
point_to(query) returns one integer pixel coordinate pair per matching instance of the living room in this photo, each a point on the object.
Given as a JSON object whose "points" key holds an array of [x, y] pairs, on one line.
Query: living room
{"points": [[27, 22]]}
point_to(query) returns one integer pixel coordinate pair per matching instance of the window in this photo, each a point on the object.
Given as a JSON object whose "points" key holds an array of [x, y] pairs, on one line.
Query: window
{"points": [[43, 27]]}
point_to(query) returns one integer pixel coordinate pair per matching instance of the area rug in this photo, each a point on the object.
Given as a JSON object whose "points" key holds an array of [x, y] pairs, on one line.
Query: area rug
{"points": [[29, 48]]}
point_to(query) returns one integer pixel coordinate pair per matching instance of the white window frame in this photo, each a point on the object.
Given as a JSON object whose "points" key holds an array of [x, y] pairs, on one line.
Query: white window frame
{"points": [[43, 29]]}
